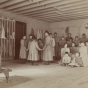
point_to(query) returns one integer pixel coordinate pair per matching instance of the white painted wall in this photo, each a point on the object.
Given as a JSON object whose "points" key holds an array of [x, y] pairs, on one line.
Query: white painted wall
{"points": [[77, 27], [31, 23]]}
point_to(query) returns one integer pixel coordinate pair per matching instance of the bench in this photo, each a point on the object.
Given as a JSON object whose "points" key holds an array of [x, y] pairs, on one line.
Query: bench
{"points": [[4, 70], [6, 73]]}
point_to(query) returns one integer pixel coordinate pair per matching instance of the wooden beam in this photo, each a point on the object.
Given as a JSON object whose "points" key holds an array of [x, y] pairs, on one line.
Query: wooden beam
{"points": [[10, 2], [47, 6], [22, 4]]}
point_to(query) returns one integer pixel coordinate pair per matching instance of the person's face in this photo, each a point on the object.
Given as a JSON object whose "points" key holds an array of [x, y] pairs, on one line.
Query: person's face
{"points": [[30, 37], [51, 35], [65, 45], [66, 54], [79, 44], [76, 38], [24, 37], [62, 38], [84, 36], [86, 43], [73, 44], [82, 44], [46, 34], [77, 54], [69, 35], [55, 35]]}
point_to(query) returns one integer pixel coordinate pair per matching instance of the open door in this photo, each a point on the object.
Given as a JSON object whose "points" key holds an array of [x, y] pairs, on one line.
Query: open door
{"points": [[20, 31]]}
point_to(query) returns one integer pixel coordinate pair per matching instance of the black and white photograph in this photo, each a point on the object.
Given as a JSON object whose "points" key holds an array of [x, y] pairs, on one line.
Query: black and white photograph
{"points": [[43, 43]]}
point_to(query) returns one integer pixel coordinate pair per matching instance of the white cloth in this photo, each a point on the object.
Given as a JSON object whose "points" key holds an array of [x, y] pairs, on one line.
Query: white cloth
{"points": [[84, 55], [73, 63], [53, 46], [22, 50]]}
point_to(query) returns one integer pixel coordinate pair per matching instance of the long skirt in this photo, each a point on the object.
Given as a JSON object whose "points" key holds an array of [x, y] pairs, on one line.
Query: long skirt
{"points": [[47, 54], [22, 53]]}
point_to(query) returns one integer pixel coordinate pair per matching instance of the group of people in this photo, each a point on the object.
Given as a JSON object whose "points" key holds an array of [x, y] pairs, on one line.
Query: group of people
{"points": [[67, 51]]}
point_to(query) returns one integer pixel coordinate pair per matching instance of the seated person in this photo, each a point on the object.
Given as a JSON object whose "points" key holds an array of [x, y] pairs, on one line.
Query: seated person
{"points": [[77, 61], [66, 59], [73, 50]]}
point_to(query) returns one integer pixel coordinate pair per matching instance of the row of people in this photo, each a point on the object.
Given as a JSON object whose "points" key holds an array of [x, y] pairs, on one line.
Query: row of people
{"points": [[48, 48], [75, 56]]}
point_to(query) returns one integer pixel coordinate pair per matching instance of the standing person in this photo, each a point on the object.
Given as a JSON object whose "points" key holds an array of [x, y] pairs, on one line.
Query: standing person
{"points": [[53, 45], [47, 53], [84, 38], [83, 54], [73, 50], [40, 44], [33, 51], [76, 41], [61, 43], [56, 45], [69, 37], [87, 45], [65, 49], [23, 50]]}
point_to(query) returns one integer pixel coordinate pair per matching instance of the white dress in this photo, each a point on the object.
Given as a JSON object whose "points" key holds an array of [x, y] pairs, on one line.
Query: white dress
{"points": [[33, 51], [23, 51], [84, 55], [53, 46]]}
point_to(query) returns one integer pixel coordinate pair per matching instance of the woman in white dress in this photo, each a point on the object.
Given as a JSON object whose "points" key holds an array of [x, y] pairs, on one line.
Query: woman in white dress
{"points": [[83, 54], [23, 50], [33, 51], [47, 53], [53, 45]]}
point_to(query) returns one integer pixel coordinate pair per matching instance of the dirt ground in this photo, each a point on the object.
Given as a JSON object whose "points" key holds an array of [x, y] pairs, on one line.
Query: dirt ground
{"points": [[44, 76]]}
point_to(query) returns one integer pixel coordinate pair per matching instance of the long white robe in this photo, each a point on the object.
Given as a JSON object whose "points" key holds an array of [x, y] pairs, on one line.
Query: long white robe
{"points": [[84, 55], [22, 50]]}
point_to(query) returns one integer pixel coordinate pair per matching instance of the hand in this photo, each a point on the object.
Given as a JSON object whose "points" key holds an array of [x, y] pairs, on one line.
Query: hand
{"points": [[27, 49]]}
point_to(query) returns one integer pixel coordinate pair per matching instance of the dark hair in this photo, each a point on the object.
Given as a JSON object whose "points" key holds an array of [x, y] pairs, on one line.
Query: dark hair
{"points": [[65, 43], [69, 33], [47, 32], [83, 42], [55, 33], [50, 33], [34, 38], [76, 37], [40, 39], [30, 35], [66, 52], [83, 34], [62, 37]]}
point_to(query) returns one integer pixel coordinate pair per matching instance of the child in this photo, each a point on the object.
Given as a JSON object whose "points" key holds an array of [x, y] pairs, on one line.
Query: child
{"points": [[76, 62], [66, 59], [33, 51], [40, 44], [23, 50]]}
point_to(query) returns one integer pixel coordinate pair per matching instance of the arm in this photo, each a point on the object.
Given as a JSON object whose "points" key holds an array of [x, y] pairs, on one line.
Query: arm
{"points": [[37, 46]]}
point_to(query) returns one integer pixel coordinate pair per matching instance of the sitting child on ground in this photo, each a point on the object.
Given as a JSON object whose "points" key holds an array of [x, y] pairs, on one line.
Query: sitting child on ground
{"points": [[66, 59], [76, 61]]}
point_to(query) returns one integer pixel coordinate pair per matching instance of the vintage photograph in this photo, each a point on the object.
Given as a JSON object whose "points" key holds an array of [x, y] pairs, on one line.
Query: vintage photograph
{"points": [[43, 43]]}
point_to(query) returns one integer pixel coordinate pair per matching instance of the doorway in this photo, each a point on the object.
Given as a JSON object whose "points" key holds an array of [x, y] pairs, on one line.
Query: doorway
{"points": [[20, 31]]}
